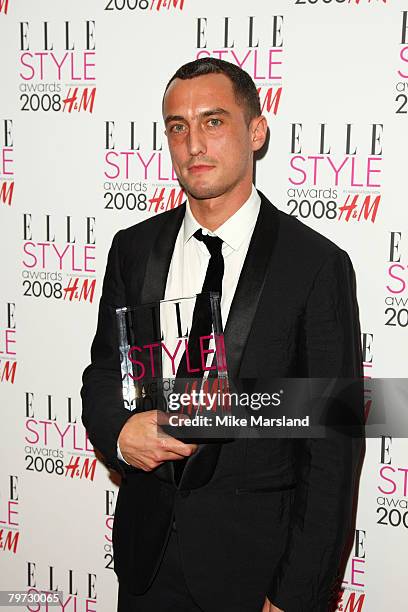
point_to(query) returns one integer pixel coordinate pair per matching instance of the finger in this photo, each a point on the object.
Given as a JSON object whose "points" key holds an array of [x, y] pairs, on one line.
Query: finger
{"points": [[169, 455], [177, 446], [173, 456]]}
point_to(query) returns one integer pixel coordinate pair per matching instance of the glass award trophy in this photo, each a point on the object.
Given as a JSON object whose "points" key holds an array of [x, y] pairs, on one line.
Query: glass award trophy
{"points": [[164, 366]]}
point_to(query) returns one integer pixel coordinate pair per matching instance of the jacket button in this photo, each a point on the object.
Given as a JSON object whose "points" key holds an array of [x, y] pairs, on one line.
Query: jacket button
{"points": [[185, 493]]}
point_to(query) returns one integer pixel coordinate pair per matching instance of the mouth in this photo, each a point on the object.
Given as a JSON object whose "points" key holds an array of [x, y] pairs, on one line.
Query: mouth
{"points": [[197, 168]]}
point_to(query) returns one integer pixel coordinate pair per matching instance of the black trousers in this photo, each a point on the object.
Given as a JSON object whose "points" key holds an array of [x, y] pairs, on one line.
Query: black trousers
{"points": [[168, 592]]}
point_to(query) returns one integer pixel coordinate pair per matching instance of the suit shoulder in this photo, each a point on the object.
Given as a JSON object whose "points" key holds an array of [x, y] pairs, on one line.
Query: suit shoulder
{"points": [[144, 231], [151, 224], [305, 238], [302, 248]]}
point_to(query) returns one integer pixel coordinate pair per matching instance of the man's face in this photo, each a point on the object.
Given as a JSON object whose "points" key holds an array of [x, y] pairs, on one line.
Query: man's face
{"points": [[210, 143]]}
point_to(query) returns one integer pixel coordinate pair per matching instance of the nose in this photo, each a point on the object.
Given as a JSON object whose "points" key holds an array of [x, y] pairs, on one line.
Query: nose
{"points": [[196, 140]]}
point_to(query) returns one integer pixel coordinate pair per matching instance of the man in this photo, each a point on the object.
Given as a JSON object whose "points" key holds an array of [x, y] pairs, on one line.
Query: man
{"points": [[252, 525]]}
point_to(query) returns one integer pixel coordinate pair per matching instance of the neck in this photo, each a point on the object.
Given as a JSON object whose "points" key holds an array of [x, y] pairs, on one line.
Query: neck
{"points": [[212, 213]]}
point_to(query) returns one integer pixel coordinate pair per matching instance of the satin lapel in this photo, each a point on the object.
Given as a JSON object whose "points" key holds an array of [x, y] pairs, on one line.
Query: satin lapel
{"points": [[250, 285], [154, 282], [154, 287]]}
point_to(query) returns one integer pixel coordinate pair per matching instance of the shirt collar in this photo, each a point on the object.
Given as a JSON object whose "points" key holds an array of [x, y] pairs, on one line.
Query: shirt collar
{"points": [[235, 229]]}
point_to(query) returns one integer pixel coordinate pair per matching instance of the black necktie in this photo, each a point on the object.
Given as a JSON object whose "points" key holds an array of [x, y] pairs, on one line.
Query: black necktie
{"points": [[202, 320]]}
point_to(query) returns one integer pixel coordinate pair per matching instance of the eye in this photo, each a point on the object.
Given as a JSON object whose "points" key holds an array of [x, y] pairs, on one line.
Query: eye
{"points": [[177, 128], [214, 122]]}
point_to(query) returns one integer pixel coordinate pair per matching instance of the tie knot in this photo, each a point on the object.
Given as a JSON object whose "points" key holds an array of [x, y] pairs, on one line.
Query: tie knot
{"points": [[213, 243]]}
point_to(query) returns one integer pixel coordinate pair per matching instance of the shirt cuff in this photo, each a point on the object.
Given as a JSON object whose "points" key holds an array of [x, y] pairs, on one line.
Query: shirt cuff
{"points": [[120, 455]]}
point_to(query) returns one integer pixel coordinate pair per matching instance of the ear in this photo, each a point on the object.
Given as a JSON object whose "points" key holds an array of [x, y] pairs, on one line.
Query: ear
{"points": [[259, 130]]}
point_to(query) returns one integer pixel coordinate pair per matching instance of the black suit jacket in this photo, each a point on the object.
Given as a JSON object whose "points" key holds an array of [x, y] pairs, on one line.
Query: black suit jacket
{"points": [[274, 517]]}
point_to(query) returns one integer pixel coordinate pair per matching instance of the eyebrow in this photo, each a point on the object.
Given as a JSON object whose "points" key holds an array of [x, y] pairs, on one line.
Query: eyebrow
{"points": [[207, 113]]}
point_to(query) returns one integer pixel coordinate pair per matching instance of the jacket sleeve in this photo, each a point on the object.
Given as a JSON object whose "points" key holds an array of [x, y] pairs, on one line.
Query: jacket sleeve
{"points": [[327, 467], [103, 411]]}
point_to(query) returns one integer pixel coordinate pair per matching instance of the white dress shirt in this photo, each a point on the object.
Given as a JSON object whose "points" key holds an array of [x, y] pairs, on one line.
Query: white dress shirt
{"points": [[190, 259]]}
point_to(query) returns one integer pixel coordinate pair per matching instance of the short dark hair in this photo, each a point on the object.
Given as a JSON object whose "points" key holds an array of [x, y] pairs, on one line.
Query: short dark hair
{"points": [[244, 87]]}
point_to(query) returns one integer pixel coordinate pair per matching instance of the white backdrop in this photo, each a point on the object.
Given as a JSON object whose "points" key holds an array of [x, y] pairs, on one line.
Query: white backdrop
{"points": [[82, 154]]}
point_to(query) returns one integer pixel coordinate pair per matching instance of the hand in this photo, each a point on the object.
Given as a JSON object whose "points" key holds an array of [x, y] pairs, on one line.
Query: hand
{"points": [[269, 607], [142, 447]]}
